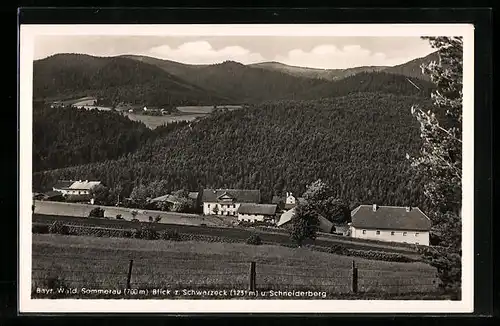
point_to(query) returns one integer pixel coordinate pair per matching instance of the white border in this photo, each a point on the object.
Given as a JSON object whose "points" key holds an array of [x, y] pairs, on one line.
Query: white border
{"points": [[27, 305]]}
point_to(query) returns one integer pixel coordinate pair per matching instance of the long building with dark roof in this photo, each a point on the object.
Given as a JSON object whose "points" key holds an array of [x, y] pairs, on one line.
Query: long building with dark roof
{"points": [[256, 212], [390, 223]]}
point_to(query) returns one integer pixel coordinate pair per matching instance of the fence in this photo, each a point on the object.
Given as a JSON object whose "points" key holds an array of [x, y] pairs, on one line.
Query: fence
{"points": [[144, 275]]}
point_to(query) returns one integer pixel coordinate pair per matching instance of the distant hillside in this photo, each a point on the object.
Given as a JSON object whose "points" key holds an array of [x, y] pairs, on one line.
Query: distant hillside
{"points": [[412, 68], [326, 74], [378, 82], [356, 142], [246, 84], [409, 69], [115, 78]]}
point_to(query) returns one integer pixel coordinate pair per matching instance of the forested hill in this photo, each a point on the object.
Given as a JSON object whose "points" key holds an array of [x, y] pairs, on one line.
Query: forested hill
{"points": [[380, 82], [413, 67], [154, 82], [357, 142], [114, 78], [66, 136], [326, 74], [245, 84]]}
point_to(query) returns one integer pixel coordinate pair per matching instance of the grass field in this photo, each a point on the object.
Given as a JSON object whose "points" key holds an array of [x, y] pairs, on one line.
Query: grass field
{"points": [[237, 233], [156, 121], [76, 261], [83, 210]]}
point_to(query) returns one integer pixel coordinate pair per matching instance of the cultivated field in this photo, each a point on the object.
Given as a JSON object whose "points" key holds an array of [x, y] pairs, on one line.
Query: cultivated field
{"points": [[102, 263], [155, 121], [83, 210]]}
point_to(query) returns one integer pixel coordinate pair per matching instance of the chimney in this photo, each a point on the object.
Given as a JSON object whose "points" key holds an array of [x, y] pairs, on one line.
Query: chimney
{"points": [[375, 207], [408, 208]]}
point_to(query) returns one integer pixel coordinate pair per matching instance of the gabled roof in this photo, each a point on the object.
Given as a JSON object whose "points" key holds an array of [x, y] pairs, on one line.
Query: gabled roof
{"points": [[286, 217], [238, 195], [164, 198], [193, 194], [258, 209], [63, 184], [390, 217], [84, 185]]}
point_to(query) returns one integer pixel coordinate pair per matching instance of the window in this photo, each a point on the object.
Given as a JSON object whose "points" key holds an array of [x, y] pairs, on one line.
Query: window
{"points": [[404, 234], [378, 232], [416, 234], [392, 232], [364, 231]]}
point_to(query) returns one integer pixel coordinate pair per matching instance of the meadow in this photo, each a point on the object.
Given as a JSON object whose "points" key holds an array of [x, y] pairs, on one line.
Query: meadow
{"points": [[155, 121], [102, 263], [83, 210]]}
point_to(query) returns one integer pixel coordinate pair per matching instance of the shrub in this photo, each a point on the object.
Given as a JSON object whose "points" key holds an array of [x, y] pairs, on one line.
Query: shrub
{"points": [[157, 218], [170, 234], [39, 228], [447, 261], [58, 227], [119, 217], [338, 249], [146, 232], [96, 212], [254, 239], [134, 220]]}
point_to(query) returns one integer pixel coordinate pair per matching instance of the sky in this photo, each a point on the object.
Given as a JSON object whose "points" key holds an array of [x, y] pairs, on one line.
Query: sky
{"points": [[324, 52]]}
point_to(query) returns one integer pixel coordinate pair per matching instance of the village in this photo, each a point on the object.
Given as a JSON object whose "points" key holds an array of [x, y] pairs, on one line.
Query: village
{"points": [[244, 208]]}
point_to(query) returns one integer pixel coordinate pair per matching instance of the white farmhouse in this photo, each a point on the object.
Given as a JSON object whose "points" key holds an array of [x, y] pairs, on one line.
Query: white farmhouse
{"points": [[390, 223], [256, 212], [79, 187], [227, 201]]}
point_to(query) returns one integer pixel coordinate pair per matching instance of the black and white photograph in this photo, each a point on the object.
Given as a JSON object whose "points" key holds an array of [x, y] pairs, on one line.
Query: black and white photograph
{"points": [[246, 168]]}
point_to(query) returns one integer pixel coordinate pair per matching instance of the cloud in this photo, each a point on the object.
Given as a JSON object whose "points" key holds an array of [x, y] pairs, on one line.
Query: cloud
{"points": [[329, 56], [202, 52]]}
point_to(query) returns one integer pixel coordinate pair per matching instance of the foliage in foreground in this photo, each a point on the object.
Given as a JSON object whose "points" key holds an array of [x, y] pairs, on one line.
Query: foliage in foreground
{"points": [[440, 159]]}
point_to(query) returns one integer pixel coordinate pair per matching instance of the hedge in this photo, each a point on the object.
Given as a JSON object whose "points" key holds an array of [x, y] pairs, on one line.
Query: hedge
{"points": [[149, 233]]}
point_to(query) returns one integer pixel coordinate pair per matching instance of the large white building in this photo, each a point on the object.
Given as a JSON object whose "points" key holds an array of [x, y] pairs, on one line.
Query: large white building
{"points": [[390, 223], [257, 212], [70, 187], [227, 201]]}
